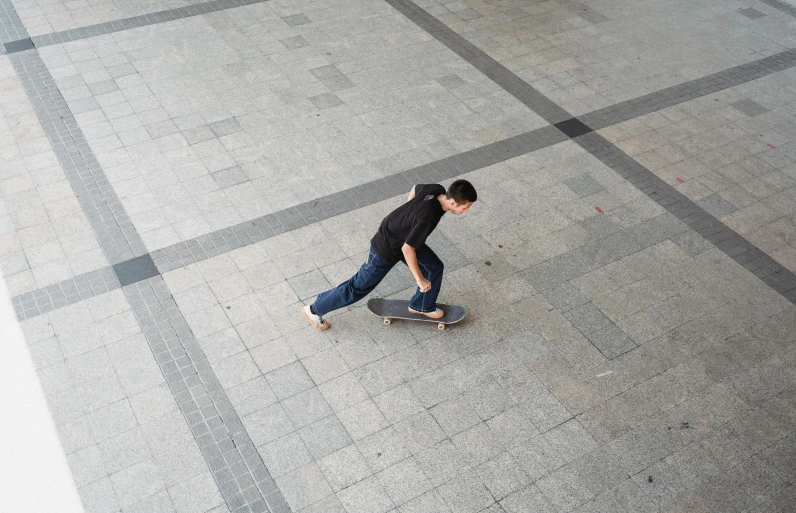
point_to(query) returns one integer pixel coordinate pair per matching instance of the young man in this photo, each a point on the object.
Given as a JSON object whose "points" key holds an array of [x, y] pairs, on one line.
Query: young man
{"points": [[401, 237]]}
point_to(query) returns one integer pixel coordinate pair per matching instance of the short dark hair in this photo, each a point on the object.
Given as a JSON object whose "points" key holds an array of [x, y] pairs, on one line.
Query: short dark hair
{"points": [[462, 191]]}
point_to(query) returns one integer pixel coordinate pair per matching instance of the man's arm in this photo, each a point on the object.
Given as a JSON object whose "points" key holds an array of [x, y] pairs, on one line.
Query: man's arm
{"points": [[410, 255], [411, 193]]}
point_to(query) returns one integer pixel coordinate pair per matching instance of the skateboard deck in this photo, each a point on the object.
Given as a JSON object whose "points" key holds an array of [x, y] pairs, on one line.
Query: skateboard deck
{"points": [[391, 309]]}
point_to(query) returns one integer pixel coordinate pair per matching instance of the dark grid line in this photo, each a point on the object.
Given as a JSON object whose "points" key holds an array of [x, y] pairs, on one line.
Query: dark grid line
{"points": [[686, 91], [11, 27], [233, 459], [480, 60], [115, 231], [142, 20]]}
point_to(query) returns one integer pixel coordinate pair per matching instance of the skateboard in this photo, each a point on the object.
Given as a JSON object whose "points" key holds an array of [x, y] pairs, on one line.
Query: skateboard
{"points": [[391, 309]]}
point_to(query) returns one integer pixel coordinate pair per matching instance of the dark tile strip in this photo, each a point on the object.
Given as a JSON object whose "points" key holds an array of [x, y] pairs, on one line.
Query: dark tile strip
{"points": [[234, 461], [714, 231], [781, 6], [20, 45], [65, 293], [249, 232], [11, 27], [114, 229], [143, 20], [498, 73], [680, 93], [134, 270]]}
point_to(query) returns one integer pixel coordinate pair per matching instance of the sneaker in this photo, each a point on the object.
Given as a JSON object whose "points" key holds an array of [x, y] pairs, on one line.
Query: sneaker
{"points": [[436, 314], [316, 320]]}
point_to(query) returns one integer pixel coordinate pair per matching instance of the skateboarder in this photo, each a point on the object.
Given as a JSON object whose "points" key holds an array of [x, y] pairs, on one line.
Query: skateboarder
{"points": [[401, 237]]}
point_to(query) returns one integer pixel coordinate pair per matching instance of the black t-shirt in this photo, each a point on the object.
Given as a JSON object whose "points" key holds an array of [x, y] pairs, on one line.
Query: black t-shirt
{"points": [[411, 223]]}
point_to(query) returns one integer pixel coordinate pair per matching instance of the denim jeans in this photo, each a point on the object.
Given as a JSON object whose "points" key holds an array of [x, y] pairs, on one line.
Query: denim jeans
{"points": [[372, 272]]}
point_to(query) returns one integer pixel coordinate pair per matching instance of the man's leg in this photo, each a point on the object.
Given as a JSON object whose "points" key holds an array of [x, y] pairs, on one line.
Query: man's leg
{"points": [[360, 285], [431, 267]]}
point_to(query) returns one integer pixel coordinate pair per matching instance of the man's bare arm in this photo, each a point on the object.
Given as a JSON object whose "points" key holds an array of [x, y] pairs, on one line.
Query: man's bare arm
{"points": [[410, 255], [411, 193]]}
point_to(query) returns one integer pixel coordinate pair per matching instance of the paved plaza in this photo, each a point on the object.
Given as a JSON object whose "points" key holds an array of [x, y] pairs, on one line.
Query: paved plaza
{"points": [[178, 178]]}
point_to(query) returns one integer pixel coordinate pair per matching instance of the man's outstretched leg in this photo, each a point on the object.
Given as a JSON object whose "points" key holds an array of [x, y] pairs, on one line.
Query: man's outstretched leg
{"points": [[360, 285], [431, 267]]}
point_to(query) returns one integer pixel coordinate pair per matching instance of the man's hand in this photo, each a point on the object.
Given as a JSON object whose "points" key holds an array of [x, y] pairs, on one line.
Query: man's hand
{"points": [[411, 261], [424, 285]]}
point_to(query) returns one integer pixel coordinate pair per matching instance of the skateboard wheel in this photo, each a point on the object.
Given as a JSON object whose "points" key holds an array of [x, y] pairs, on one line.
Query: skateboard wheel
{"points": [[387, 321], [441, 326]]}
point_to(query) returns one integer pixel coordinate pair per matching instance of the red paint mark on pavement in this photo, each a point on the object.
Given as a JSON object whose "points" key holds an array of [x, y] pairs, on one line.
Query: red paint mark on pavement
{"points": [[770, 145], [599, 210], [680, 180]]}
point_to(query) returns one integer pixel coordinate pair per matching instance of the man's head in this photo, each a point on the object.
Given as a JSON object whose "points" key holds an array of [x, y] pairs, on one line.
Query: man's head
{"points": [[463, 195]]}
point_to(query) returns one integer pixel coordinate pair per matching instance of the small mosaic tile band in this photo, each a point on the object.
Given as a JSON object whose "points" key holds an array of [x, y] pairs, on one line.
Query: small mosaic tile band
{"points": [[65, 293], [20, 43], [115, 232], [689, 90], [11, 27], [238, 469]]}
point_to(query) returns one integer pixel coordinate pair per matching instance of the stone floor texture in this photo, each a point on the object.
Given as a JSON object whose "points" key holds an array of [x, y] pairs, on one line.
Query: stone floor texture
{"points": [[178, 178]]}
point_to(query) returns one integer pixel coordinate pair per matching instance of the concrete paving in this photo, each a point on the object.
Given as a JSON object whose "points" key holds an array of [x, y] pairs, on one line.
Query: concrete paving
{"points": [[179, 178]]}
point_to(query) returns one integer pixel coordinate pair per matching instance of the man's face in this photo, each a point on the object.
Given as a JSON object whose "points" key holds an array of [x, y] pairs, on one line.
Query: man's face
{"points": [[461, 209]]}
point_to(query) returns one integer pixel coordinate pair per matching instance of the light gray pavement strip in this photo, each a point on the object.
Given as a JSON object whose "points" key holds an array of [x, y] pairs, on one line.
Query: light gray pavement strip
{"points": [[47, 17]]}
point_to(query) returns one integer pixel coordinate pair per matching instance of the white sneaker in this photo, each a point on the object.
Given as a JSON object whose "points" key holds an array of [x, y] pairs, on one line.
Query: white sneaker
{"points": [[436, 314], [316, 320]]}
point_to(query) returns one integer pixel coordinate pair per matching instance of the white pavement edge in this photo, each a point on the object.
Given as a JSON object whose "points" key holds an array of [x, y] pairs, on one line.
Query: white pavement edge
{"points": [[34, 473]]}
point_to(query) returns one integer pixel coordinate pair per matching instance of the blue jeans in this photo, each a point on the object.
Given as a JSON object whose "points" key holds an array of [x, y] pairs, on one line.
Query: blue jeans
{"points": [[372, 272]]}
